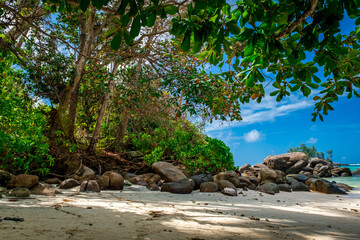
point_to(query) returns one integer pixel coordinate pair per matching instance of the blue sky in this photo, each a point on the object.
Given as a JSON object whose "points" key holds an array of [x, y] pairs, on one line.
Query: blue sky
{"points": [[272, 128]]}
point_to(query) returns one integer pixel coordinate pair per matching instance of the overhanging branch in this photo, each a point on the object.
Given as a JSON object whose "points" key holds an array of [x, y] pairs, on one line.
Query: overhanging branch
{"points": [[294, 24]]}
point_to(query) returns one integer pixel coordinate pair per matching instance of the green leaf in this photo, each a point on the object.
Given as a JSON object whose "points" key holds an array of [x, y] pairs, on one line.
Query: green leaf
{"points": [[125, 19], [133, 8], [171, 9], [274, 93], [128, 38], [203, 55], [135, 27], [357, 22], [122, 7], [250, 81], [305, 90], [248, 49], [316, 79], [84, 4], [249, 3], [151, 19], [277, 85], [62, 6], [233, 27], [295, 37], [313, 85], [281, 19], [115, 43], [185, 45]]}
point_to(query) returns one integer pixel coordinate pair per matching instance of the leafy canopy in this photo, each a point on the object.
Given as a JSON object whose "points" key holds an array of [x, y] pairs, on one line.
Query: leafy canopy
{"points": [[293, 40]]}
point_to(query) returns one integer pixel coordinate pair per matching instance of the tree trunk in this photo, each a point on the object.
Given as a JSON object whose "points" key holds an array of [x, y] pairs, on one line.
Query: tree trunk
{"points": [[75, 95], [72, 113], [122, 130], [83, 56], [100, 119]]}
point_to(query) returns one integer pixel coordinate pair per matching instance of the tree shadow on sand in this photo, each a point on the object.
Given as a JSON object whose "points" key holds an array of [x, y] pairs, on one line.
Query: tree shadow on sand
{"points": [[127, 215]]}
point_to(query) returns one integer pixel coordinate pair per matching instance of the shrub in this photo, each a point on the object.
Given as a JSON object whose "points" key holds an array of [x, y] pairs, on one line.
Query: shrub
{"points": [[185, 145], [23, 146]]}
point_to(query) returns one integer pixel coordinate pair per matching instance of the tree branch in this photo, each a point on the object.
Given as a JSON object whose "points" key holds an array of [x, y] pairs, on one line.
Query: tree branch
{"points": [[294, 24]]}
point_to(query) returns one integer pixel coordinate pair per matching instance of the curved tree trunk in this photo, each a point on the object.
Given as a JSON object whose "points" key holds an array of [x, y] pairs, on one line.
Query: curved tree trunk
{"points": [[95, 137]]}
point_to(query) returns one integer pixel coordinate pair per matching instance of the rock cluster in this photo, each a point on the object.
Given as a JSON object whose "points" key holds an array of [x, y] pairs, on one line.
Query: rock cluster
{"points": [[286, 172], [298, 162]]}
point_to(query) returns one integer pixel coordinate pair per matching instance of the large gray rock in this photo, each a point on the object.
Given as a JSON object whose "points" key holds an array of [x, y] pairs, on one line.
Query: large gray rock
{"points": [[315, 161], [344, 172], [299, 187], [43, 189], [53, 181], [183, 186], [145, 179], [296, 168], [89, 186], [343, 186], [19, 192], [201, 178], [168, 171], [209, 187], [356, 172], [284, 161], [23, 181], [245, 180], [280, 177], [111, 180], [323, 186], [245, 167], [284, 187], [230, 176], [152, 187], [267, 175], [322, 170], [291, 180], [84, 173], [225, 184], [5, 177], [69, 183], [299, 177], [229, 192], [269, 188]]}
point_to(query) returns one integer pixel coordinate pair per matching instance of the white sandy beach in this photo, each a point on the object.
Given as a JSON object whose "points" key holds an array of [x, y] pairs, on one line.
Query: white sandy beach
{"points": [[137, 213]]}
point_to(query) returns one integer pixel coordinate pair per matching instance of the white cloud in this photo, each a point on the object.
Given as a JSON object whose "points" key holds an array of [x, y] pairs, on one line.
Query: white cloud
{"points": [[266, 111], [312, 140], [253, 136]]}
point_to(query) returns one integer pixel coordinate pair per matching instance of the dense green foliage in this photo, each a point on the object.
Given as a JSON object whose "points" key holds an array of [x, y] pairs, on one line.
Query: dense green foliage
{"points": [[106, 65], [186, 145], [312, 152], [23, 146]]}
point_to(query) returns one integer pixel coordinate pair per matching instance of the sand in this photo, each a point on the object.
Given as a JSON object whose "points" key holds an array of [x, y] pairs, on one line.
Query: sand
{"points": [[137, 213]]}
